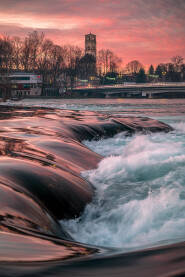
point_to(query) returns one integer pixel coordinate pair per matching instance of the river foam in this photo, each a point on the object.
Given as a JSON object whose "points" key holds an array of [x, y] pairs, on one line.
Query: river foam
{"points": [[140, 192]]}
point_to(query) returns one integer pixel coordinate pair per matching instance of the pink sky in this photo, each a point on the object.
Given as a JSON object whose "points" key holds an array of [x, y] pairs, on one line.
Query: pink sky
{"points": [[151, 31]]}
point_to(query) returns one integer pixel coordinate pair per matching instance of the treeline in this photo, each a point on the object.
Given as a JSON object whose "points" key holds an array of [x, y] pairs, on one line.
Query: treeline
{"points": [[173, 71], [37, 54], [170, 72], [55, 63], [62, 65]]}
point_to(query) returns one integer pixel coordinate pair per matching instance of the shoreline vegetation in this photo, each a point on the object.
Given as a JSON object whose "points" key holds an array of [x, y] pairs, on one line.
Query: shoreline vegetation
{"points": [[64, 68]]}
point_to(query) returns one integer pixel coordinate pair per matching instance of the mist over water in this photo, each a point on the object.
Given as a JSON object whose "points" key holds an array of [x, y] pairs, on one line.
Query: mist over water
{"points": [[140, 191]]}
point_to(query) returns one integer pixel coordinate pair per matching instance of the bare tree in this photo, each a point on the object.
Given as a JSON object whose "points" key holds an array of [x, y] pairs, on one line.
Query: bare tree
{"points": [[5, 54], [5, 67], [107, 61], [177, 61], [133, 67], [115, 63], [17, 47], [72, 57], [30, 50]]}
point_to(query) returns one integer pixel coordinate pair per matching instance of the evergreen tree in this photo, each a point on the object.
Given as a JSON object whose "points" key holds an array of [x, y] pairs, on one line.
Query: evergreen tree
{"points": [[141, 76], [159, 71], [151, 70]]}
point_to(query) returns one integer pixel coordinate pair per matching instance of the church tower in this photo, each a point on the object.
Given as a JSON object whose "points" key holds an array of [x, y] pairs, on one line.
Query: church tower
{"points": [[90, 44]]}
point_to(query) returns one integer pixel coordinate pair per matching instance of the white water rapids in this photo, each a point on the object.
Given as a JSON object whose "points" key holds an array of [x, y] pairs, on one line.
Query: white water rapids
{"points": [[140, 184], [140, 192]]}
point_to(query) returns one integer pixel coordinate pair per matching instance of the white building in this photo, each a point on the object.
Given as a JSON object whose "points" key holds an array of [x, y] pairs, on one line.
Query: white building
{"points": [[25, 84]]}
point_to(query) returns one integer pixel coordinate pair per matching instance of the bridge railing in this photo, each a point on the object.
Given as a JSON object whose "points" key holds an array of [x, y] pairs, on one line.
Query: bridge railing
{"points": [[159, 84]]}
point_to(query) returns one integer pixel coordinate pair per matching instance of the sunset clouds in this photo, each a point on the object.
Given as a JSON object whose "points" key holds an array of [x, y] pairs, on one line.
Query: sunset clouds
{"points": [[150, 31]]}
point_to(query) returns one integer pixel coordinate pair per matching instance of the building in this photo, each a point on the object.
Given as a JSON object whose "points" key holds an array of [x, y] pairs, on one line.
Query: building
{"points": [[88, 62], [90, 44], [23, 84]]}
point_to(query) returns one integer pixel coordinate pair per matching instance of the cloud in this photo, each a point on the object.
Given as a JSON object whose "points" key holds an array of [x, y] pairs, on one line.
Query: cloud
{"points": [[150, 31]]}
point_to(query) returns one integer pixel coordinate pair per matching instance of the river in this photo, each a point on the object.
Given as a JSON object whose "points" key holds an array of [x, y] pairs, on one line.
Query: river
{"points": [[140, 183]]}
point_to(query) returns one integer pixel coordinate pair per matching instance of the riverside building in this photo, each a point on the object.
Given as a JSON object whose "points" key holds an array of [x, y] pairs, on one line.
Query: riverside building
{"points": [[23, 84]]}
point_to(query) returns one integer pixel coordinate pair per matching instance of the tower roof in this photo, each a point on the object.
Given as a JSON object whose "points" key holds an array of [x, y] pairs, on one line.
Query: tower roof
{"points": [[90, 34]]}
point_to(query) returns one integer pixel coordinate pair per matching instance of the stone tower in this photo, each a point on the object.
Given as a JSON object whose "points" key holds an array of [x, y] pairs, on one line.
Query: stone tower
{"points": [[90, 44]]}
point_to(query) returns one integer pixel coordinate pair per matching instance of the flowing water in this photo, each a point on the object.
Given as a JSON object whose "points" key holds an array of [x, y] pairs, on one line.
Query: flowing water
{"points": [[125, 106], [140, 183], [140, 192]]}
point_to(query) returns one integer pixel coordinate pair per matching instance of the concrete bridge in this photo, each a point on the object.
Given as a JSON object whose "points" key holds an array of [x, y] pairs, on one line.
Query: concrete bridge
{"points": [[141, 91]]}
